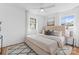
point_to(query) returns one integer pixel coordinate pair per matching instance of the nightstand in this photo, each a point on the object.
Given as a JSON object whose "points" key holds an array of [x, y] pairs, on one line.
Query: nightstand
{"points": [[70, 41]]}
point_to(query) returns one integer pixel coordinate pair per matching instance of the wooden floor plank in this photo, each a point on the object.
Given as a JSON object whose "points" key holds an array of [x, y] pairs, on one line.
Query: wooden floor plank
{"points": [[75, 51]]}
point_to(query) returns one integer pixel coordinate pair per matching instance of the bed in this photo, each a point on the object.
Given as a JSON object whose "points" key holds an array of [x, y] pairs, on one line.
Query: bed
{"points": [[46, 44], [40, 44]]}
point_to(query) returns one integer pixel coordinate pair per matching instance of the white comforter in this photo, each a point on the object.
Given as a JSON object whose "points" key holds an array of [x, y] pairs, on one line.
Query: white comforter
{"points": [[60, 39], [45, 42]]}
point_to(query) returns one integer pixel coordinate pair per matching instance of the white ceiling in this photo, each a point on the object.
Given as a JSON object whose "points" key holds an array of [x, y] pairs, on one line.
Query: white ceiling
{"points": [[56, 7]]}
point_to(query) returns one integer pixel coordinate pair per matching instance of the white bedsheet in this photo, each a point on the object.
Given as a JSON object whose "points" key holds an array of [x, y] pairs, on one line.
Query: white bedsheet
{"points": [[59, 39], [46, 44]]}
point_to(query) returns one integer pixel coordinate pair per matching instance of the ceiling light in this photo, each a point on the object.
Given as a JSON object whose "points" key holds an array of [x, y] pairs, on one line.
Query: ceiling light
{"points": [[42, 10]]}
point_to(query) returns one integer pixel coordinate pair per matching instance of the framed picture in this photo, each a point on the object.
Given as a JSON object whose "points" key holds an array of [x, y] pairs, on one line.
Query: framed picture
{"points": [[50, 22]]}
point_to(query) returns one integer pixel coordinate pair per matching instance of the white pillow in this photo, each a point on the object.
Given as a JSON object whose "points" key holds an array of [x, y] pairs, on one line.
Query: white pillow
{"points": [[58, 33]]}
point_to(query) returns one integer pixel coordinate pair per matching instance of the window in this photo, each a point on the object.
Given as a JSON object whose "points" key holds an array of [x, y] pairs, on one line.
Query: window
{"points": [[32, 23], [68, 20]]}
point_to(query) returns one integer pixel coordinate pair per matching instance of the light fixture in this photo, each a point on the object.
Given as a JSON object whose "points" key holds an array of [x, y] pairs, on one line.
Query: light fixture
{"points": [[42, 9]]}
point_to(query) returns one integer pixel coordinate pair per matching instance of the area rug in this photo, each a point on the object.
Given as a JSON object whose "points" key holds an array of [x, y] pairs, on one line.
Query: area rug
{"points": [[66, 50], [20, 49], [24, 49]]}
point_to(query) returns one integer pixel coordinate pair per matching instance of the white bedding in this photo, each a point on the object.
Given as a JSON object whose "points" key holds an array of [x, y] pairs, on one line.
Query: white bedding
{"points": [[46, 43], [59, 39]]}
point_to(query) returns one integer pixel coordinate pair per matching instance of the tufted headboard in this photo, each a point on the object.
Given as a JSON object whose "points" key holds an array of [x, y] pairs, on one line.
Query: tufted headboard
{"points": [[56, 28]]}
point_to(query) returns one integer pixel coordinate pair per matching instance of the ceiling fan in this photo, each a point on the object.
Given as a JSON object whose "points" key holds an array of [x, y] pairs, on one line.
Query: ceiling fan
{"points": [[43, 7]]}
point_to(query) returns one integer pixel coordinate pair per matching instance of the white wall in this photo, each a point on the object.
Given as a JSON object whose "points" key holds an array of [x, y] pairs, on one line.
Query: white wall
{"points": [[13, 24]]}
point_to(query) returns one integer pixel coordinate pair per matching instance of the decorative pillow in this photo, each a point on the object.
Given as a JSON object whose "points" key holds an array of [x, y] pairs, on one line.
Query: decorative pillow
{"points": [[52, 32], [48, 32]]}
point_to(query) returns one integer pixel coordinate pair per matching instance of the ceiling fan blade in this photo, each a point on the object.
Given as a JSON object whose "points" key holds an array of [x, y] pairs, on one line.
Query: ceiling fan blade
{"points": [[49, 6]]}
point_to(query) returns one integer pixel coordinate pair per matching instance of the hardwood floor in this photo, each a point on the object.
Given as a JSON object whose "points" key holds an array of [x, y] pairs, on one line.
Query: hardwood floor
{"points": [[4, 50], [75, 51]]}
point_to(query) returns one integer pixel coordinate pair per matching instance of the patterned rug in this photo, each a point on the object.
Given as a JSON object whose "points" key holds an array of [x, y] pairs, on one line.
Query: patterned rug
{"points": [[20, 49], [66, 50], [24, 49]]}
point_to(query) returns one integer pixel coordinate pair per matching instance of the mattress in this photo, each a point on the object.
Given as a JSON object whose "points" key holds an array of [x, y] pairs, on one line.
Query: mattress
{"points": [[49, 46]]}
